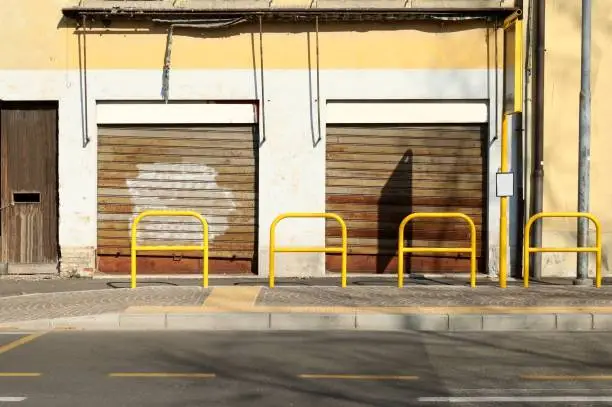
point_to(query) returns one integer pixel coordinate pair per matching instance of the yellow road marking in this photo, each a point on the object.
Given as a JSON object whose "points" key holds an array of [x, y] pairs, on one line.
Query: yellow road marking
{"points": [[8, 374], [566, 377], [232, 297], [166, 375], [356, 377], [20, 341]]}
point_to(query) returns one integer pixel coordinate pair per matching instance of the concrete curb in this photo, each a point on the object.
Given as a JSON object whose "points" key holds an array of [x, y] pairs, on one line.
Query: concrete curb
{"points": [[263, 321]]}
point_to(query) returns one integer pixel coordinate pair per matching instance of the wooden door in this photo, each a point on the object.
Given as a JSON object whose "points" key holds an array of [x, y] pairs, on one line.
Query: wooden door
{"points": [[28, 145]]}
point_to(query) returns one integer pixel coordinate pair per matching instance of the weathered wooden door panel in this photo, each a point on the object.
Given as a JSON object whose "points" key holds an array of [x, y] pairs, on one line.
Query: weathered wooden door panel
{"points": [[28, 144], [377, 175]]}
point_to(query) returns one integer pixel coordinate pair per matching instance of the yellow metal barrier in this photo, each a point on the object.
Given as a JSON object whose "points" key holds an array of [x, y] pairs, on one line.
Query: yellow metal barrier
{"points": [[402, 250], [527, 249], [274, 249], [203, 247]]}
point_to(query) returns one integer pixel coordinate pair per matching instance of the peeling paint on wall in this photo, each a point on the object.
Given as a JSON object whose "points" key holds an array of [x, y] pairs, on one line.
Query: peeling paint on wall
{"points": [[164, 186]]}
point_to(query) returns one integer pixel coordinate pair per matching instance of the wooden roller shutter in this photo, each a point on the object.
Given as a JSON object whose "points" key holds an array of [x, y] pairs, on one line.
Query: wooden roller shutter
{"points": [[210, 170], [376, 175]]}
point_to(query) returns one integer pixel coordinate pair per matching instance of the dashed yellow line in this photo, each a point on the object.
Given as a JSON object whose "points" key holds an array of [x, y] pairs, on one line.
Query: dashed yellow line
{"points": [[11, 374], [567, 378], [20, 341], [165, 375], [356, 377]]}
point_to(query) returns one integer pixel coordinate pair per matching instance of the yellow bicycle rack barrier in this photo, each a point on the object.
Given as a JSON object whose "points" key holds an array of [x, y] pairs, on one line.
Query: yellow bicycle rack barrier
{"points": [[203, 248], [527, 249], [273, 249], [439, 215]]}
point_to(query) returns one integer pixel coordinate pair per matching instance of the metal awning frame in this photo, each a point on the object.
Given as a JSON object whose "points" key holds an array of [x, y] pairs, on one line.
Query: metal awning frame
{"points": [[179, 15], [211, 19]]}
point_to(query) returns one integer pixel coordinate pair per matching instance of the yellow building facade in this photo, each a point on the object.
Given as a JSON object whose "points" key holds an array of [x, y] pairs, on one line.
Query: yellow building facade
{"points": [[252, 110], [562, 87]]}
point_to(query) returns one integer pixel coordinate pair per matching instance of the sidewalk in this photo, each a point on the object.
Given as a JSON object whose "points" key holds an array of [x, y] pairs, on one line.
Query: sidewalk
{"points": [[246, 305]]}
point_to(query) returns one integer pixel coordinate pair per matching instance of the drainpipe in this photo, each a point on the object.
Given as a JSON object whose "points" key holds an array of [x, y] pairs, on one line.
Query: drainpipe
{"points": [[537, 171], [584, 145]]}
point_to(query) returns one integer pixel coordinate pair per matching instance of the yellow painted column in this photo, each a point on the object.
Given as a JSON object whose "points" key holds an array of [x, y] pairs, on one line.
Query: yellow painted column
{"points": [[515, 24], [503, 210]]}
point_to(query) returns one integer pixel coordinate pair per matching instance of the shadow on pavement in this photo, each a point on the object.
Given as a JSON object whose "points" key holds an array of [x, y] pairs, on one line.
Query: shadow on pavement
{"points": [[266, 371], [126, 284]]}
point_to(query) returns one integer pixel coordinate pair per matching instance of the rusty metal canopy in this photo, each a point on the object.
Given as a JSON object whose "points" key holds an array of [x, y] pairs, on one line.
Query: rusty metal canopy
{"points": [[292, 9]]}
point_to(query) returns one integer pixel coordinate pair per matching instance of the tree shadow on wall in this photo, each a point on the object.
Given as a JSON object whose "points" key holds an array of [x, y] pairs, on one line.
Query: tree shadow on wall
{"points": [[395, 203], [405, 193]]}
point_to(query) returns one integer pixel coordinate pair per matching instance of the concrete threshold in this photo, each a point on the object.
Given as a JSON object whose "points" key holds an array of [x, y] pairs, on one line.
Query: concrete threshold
{"points": [[568, 319]]}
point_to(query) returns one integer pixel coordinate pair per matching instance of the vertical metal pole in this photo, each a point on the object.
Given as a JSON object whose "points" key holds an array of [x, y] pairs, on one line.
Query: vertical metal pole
{"points": [[401, 253], [205, 253], [263, 87], [537, 173], [503, 210], [85, 86], [318, 79], [344, 252], [133, 249], [517, 26], [272, 251], [584, 142]]}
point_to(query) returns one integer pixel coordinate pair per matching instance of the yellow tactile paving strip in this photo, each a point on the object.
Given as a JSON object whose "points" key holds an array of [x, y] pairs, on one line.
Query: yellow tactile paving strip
{"points": [[232, 297]]}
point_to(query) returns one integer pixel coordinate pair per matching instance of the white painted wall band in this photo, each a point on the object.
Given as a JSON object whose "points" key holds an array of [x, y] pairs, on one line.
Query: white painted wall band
{"points": [[179, 113], [355, 112]]}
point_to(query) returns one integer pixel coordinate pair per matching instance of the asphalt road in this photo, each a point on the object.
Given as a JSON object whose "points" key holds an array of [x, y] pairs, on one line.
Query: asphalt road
{"points": [[304, 369]]}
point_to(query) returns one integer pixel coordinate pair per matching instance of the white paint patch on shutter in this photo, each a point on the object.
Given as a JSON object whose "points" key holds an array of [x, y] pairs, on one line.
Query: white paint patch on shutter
{"points": [[177, 180]]}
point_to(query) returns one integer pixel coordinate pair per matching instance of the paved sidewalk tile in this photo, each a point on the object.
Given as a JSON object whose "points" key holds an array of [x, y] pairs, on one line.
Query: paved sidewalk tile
{"points": [[552, 301], [436, 296], [81, 303]]}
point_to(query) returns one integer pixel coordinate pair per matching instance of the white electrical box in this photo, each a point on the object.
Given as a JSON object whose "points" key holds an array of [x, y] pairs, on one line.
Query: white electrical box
{"points": [[504, 184]]}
